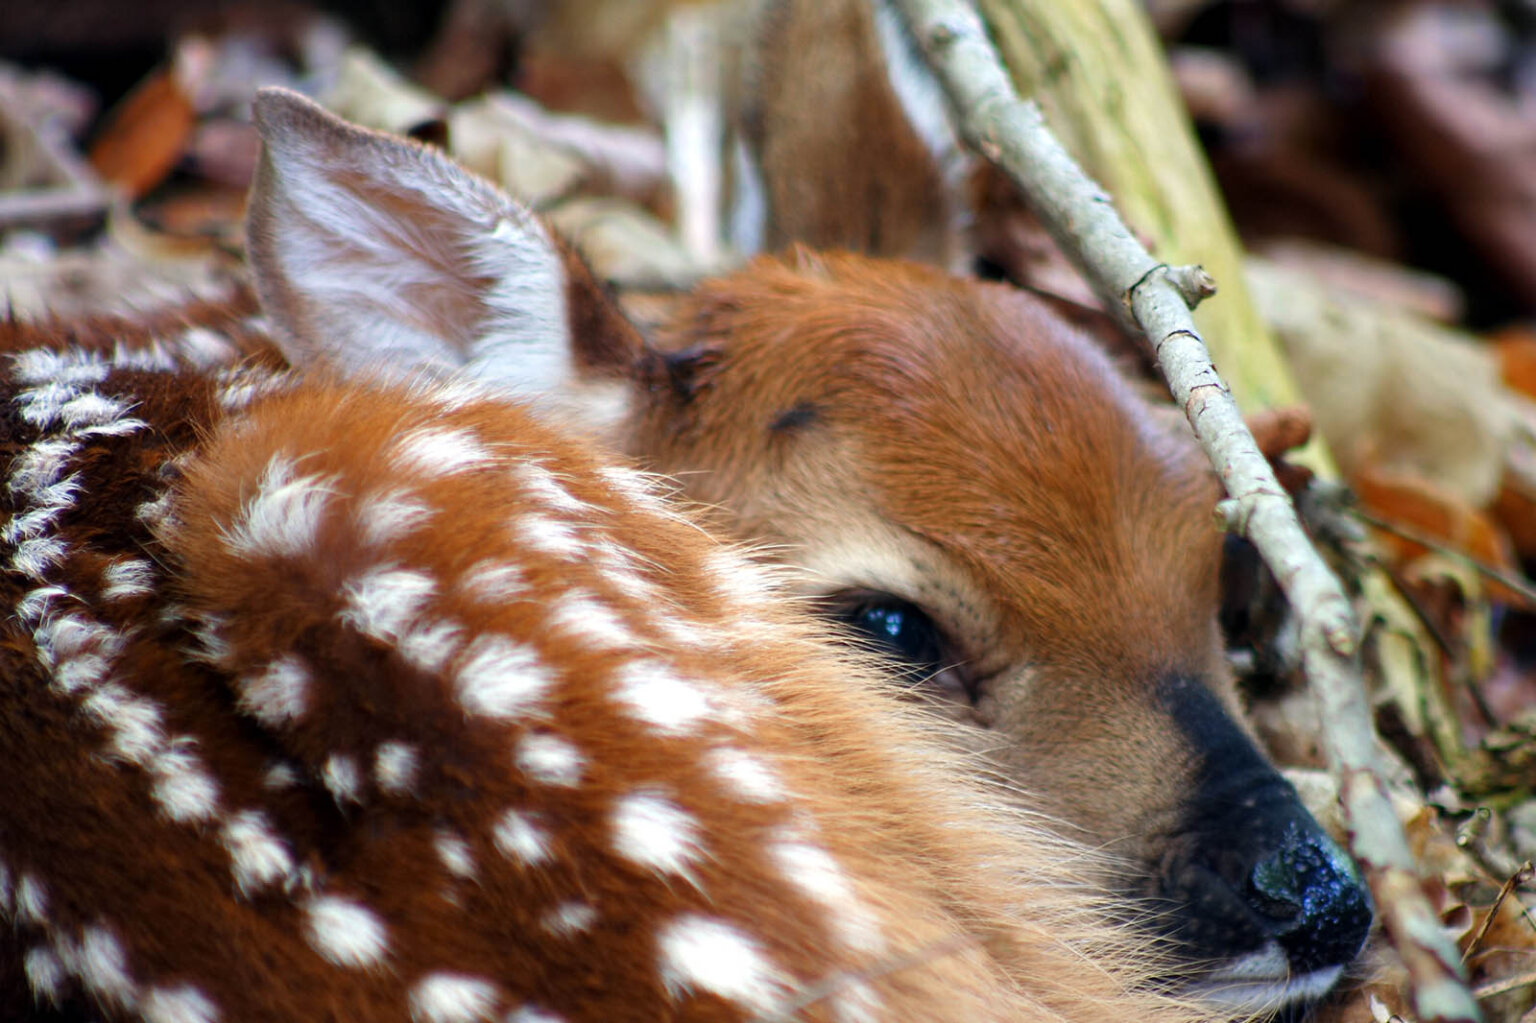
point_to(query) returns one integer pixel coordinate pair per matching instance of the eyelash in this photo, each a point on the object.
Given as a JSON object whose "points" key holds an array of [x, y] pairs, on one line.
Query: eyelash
{"points": [[903, 632]]}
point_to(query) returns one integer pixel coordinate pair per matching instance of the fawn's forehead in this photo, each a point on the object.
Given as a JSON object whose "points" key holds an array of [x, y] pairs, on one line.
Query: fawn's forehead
{"points": [[918, 368]]}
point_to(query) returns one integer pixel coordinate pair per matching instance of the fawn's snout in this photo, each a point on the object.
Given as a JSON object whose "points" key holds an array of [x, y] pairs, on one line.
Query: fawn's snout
{"points": [[1253, 882]]}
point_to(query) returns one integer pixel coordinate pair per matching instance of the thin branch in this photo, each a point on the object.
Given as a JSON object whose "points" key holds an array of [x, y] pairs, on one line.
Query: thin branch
{"points": [[1512, 882], [1081, 217], [1515, 583], [1508, 984]]}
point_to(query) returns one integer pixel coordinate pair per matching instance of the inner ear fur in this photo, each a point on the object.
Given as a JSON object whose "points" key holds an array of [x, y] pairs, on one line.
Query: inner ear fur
{"points": [[375, 252]]}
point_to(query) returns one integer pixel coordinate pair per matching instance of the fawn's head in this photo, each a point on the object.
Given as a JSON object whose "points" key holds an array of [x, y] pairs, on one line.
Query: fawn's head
{"points": [[964, 479]]}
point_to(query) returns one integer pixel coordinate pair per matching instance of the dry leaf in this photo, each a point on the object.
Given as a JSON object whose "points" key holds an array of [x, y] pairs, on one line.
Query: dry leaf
{"points": [[625, 245], [1407, 396], [1426, 510], [1516, 351], [369, 92], [144, 135]]}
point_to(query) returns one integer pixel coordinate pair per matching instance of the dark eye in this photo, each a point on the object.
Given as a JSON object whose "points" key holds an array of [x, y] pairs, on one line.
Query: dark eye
{"points": [[902, 631], [898, 628]]}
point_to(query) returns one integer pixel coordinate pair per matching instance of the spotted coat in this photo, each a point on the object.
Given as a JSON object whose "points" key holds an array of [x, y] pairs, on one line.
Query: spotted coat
{"points": [[381, 702]]}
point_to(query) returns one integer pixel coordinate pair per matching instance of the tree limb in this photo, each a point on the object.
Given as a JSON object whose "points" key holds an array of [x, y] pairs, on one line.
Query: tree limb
{"points": [[1012, 134]]}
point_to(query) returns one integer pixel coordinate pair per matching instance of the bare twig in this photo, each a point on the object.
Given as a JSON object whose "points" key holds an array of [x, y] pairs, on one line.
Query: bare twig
{"points": [[1514, 881], [1506, 985], [1079, 215]]}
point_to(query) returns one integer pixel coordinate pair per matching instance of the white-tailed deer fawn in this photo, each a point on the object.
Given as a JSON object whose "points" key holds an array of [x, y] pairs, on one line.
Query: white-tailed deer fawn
{"points": [[964, 479], [362, 701]]}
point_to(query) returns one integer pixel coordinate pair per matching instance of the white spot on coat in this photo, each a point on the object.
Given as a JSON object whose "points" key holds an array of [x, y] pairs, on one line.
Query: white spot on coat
{"points": [[549, 759], [433, 451], [703, 954], [394, 767], [569, 919], [552, 536], [520, 837], [183, 1004], [494, 582], [81, 672], [135, 724], [31, 901], [635, 488], [580, 615], [204, 348], [345, 932], [498, 678], [156, 511], [736, 578], [533, 1014], [341, 776], [681, 632], [45, 974], [39, 469], [453, 998], [183, 789], [541, 485], [744, 776], [38, 603], [455, 854], [392, 515], [283, 519], [651, 692], [428, 647], [280, 775], [127, 577], [818, 875], [383, 602], [71, 366], [103, 967], [34, 558], [31, 524], [257, 856], [279, 695], [40, 406], [654, 832], [96, 413]]}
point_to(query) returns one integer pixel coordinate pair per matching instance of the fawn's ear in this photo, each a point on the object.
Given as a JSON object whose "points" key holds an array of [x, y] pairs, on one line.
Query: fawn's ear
{"points": [[377, 254]]}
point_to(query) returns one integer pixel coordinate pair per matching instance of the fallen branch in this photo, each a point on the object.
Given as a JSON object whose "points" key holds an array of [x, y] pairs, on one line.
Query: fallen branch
{"points": [[1080, 216]]}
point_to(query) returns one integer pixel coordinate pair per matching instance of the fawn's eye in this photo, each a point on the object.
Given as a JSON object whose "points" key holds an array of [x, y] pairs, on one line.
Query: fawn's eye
{"points": [[903, 632]]}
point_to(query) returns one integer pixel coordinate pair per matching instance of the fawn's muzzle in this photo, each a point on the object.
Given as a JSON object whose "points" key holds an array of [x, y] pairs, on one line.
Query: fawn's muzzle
{"points": [[1252, 885]]}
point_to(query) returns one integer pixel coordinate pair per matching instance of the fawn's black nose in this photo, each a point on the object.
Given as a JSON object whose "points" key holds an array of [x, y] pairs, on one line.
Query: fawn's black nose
{"points": [[1252, 885], [1308, 890]]}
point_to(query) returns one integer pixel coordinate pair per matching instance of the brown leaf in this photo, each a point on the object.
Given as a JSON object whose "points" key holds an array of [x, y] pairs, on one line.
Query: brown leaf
{"points": [[1516, 351], [144, 135], [1278, 430], [1433, 512]]}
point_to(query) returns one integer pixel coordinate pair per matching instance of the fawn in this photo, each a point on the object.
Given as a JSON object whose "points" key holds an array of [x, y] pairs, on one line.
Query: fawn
{"points": [[963, 479], [383, 697]]}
